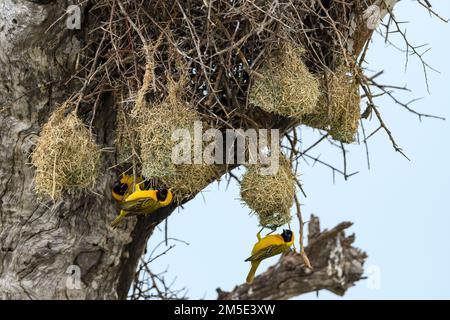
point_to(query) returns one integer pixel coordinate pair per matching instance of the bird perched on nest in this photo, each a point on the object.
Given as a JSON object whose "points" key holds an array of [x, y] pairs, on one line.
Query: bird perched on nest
{"points": [[143, 202], [267, 247], [123, 188]]}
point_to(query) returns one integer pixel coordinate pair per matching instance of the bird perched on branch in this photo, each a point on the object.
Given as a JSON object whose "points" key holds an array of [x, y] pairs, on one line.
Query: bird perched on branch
{"points": [[267, 247], [143, 202], [123, 188]]}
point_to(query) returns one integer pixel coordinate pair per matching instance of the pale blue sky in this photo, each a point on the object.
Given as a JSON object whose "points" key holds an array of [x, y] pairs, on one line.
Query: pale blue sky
{"points": [[400, 209]]}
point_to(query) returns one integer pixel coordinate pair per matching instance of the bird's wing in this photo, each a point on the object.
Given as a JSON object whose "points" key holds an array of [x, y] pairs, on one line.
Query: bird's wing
{"points": [[267, 252], [140, 205]]}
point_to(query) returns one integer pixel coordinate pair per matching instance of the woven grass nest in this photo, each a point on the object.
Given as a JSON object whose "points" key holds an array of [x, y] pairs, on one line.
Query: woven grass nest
{"points": [[287, 87], [189, 179], [155, 124], [269, 196], [66, 156], [156, 148], [338, 109], [155, 136]]}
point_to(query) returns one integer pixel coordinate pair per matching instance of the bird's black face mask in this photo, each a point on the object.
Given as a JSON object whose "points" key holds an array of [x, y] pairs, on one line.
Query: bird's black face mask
{"points": [[120, 189], [161, 194], [287, 235]]}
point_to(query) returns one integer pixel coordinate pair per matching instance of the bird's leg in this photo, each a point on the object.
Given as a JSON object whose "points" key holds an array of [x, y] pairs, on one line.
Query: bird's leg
{"points": [[295, 248], [258, 235], [118, 219]]}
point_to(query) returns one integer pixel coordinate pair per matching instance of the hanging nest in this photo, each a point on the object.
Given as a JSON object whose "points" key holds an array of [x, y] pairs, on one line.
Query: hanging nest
{"points": [[190, 179], [66, 156], [134, 121], [157, 123], [155, 136], [270, 196], [287, 87], [338, 110]]}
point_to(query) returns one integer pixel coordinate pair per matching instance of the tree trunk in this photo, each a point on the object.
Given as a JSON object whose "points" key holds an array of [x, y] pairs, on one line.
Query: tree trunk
{"points": [[40, 242]]}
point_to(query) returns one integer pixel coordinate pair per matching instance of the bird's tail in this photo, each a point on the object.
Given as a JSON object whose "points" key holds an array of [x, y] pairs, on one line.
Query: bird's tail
{"points": [[251, 274]]}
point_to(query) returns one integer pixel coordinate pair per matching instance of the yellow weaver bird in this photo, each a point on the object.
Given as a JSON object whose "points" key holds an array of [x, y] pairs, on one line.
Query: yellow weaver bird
{"points": [[143, 202], [267, 247], [123, 188]]}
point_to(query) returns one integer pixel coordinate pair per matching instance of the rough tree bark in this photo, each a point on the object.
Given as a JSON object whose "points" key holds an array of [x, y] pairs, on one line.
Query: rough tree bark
{"points": [[40, 240]]}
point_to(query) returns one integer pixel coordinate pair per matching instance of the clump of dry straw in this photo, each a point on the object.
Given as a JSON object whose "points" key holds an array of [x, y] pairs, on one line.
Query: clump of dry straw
{"points": [[125, 134], [66, 157], [157, 123], [338, 110], [190, 179], [270, 196], [287, 87]]}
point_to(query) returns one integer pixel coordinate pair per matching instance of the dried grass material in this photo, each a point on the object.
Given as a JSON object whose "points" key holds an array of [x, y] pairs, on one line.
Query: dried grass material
{"points": [[131, 48], [125, 133], [156, 126], [66, 157], [287, 87], [155, 132], [270, 196], [190, 179], [148, 79], [338, 109]]}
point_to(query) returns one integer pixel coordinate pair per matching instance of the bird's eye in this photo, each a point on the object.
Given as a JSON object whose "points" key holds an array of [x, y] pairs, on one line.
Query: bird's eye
{"points": [[161, 194]]}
